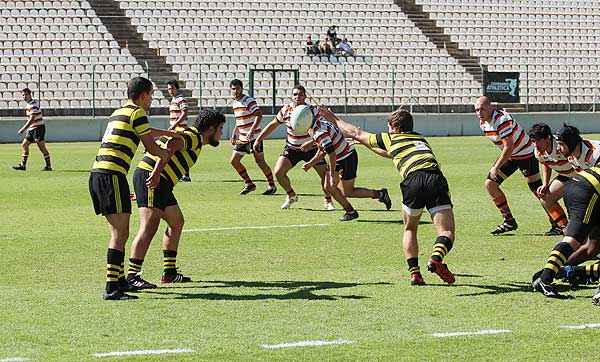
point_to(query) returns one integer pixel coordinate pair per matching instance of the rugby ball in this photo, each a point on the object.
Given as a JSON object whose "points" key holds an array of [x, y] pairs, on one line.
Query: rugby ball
{"points": [[301, 119]]}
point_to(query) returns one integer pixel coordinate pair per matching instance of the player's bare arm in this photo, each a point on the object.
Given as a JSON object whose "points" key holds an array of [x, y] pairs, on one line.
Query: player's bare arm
{"points": [[270, 128], [153, 148], [313, 161], [507, 149], [546, 173], [307, 145], [380, 152], [26, 125], [173, 145], [257, 119], [180, 119]]}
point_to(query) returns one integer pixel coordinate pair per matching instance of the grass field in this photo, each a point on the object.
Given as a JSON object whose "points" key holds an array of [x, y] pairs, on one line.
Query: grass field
{"points": [[254, 287]]}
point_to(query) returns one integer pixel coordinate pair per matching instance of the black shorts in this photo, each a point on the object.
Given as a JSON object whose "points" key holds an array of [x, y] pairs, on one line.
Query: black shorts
{"points": [[160, 197], [110, 193], [425, 188], [36, 135], [528, 166], [247, 148], [562, 178], [296, 155], [581, 200], [348, 166]]}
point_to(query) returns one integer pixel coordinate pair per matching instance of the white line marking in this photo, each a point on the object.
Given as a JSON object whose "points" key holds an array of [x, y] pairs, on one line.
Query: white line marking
{"points": [[257, 227], [143, 352], [582, 326], [305, 344], [14, 359], [476, 333]]}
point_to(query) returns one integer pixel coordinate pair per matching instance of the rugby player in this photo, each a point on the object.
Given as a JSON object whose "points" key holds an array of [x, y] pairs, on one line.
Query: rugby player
{"points": [[178, 112], [108, 185], [35, 132], [423, 185], [247, 125], [154, 180]]}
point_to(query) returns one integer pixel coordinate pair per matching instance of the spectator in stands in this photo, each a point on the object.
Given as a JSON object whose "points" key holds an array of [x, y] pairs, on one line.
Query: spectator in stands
{"points": [[309, 46], [36, 131], [325, 47], [332, 35], [344, 48], [177, 112]]}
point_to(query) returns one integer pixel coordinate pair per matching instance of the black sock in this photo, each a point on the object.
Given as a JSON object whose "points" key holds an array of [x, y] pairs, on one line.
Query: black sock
{"points": [[558, 257], [47, 159], [24, 160], [413, 265], [114, 258], [135, 266], [169, 262], [442, 246]]}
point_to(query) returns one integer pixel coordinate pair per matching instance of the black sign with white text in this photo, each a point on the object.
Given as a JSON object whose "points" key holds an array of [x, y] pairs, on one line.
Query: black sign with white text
{"points": [[502, 87]]}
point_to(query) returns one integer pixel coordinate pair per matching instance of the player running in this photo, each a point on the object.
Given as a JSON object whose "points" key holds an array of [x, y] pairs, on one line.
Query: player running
{"points": [[292, 152], [423, 185], [36, 132], [517, 153], [154, 180], [108, 185], [247, 125]]}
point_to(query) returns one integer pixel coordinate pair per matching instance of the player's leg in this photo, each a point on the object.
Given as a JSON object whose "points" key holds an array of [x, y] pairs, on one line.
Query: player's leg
{"points": [[42, 146], [259, 157], [321, 170], [334, 191], [22, 166], [283, 165], [175, 220], [492, 186], [410, 245], [348, 168], [236, 161], [118, 225], [556, 214], [149, 222]]}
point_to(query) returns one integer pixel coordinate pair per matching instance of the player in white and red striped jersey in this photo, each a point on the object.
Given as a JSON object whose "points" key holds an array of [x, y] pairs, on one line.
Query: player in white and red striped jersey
{"points": [[247, 127], [36, 132], [546, 151], [292, 152], [582, 154], [516, 153], [178, 112], [342, 159]]}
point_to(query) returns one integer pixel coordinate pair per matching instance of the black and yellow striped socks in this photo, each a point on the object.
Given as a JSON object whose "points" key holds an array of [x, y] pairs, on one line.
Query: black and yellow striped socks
{"points": [[557, 259], [442, 246], [135, 266], [114, 260], [170, 262], [413, 265]]}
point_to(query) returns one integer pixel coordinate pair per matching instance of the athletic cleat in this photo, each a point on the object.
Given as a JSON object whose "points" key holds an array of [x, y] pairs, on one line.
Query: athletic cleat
{"points": [[349, 215], [596, 298], [384, 197], [548, 290], [536, 275], [554, 231], [506, 226], [19, 167], [417, 279], [118, 295], [271, 190], [441, 270], [329, 206], [174, 278], [289, 201], [47, 168], [137, 283], [247, 189], [185, 178]]}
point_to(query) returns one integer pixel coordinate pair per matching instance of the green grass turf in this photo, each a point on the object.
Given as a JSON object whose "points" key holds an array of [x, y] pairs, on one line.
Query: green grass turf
{"points": [[252, 287]]}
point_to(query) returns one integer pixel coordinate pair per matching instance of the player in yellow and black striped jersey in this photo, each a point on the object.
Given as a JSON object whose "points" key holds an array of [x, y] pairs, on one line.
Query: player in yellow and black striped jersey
{"points": [[581, 197], [154, 180], [108, 185], [422, 184]]}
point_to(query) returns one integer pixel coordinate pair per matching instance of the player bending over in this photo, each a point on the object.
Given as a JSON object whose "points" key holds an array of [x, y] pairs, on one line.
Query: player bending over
{"points": [[422, 184]]}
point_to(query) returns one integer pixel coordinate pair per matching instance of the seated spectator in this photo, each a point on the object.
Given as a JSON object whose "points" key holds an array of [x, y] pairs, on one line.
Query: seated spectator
{"points": [[325, 47], [345, 49], [332, 35], [309, 46]]}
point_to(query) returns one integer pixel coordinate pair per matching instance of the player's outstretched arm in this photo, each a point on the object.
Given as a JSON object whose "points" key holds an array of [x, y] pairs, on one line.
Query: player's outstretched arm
{"points": [[157, 132], [380, 152], [348, 129], [270, 128]]}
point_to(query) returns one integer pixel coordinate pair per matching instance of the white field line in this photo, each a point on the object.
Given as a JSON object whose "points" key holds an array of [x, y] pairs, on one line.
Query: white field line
{"points": [[476, 333], [14, 359], [582, 326], [256, 227], [305, 344], [142, 352]]}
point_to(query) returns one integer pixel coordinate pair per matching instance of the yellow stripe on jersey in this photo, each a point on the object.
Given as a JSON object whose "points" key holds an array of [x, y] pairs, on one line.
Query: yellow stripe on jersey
{"points": [[593, 177], [410, 151], [121, 139]]}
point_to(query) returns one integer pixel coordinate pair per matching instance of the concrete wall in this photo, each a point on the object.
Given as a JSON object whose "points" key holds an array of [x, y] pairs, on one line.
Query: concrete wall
{"points": [[59, 129]]}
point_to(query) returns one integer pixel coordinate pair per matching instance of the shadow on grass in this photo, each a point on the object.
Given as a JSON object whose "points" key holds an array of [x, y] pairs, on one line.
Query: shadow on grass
{"points": [[72, 171], [507, 288], [468, 275], [399, 222], [295, 290]]}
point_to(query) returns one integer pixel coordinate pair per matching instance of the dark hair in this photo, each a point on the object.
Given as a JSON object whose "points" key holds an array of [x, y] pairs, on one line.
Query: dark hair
{"points": [[539, 131], [26, 90], [300, 88], [174, 83], [401, 120], [208, 118], [236, 83], [569, 135], [138, 85]]}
